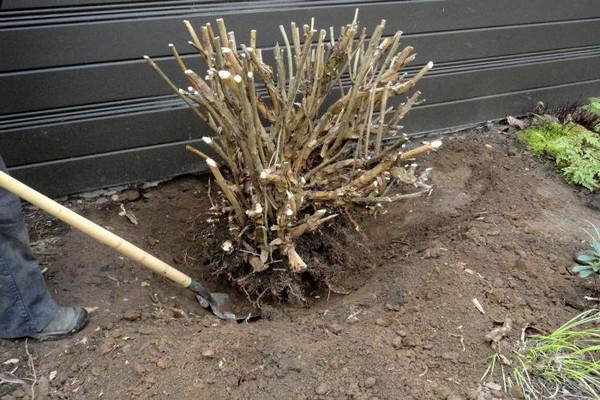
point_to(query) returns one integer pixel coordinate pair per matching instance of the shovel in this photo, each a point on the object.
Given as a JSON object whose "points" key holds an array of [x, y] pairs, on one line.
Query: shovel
{"points": [[221, 304]]}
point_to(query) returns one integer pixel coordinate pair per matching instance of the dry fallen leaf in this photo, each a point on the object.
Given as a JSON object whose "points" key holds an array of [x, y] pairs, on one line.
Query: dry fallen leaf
{"points": [[478, 305], [52, 375], [177, 312], [517, 123], [90, 309], [257, 264], [128, 214], [11, 361], [500, 332]]}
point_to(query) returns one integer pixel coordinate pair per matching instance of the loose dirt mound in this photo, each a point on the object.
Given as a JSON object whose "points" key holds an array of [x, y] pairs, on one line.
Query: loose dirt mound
{"points": [[498, 227]]}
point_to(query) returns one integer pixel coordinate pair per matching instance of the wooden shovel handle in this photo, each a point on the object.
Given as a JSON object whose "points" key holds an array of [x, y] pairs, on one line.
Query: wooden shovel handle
{"points": [[93, 230]]}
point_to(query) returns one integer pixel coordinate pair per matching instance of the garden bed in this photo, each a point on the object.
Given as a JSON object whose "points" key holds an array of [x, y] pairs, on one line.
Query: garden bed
{"points": [[498, 227]]}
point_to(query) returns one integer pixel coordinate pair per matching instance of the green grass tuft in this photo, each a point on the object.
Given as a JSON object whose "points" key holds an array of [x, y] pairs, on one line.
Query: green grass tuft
{"points": [[564, 364]]}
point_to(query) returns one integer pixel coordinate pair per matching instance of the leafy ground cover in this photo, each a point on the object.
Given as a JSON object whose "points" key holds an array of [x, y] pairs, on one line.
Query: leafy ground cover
{"points": [[571, 139]]}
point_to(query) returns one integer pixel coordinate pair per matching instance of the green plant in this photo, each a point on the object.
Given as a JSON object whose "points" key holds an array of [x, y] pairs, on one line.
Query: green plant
{"points": [[575, 150], [594, 107], [296, 141], [564, 364], [588, 261]]}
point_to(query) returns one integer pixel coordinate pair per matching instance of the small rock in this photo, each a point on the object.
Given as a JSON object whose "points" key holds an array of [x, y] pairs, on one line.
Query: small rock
{"points": [[441, 391], [353, 390], [208, 353], [385, 322], [293, 365], [151, 241], [523, 265], [498, 283], [450, 355], [506, 266], [209, 321], [409, 341], [280, 373], [493, 386], [336, 329], [139, 368], [473, 394], [132, 315], [322, 389], [106, 347], [392, 307], [128, 195], [370, 382], [397, 342], [432, 252], [150, 380]]}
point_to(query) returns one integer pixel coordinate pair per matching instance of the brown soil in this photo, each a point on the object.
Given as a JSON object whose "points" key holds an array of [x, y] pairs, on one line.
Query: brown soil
{"points": [[499, 227]]}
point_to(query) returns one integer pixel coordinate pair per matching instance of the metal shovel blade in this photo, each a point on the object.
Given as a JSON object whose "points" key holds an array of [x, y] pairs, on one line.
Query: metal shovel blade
{"points": [[223, 306]]}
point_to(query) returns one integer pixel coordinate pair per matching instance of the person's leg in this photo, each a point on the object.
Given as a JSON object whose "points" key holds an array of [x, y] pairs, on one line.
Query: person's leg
{"points": [[26, 306]]}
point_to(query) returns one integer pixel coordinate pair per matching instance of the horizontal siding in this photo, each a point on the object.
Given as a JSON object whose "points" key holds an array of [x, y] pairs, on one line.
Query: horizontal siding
{"points": [[169, 160], [96, 83], [81, 110], [172, 121], [43, 43]]}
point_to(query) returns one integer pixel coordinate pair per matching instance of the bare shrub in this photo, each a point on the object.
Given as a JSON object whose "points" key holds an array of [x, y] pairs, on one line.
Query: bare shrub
{"points": [[298, 140]]}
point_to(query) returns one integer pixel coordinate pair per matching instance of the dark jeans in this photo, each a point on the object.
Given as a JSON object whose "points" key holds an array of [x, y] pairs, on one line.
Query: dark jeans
{"points": [[26, 306]]}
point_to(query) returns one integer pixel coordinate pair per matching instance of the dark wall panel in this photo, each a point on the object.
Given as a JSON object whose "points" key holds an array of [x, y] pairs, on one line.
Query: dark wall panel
{"points": [[95, 83], [80, 109], [105, 170], [169, 160], [458, 114], [100, 135], [161, 124], [43, 42]]}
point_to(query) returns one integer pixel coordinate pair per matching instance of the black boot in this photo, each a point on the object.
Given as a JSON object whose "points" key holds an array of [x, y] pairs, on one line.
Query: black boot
{"points": [[67, 321]]}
